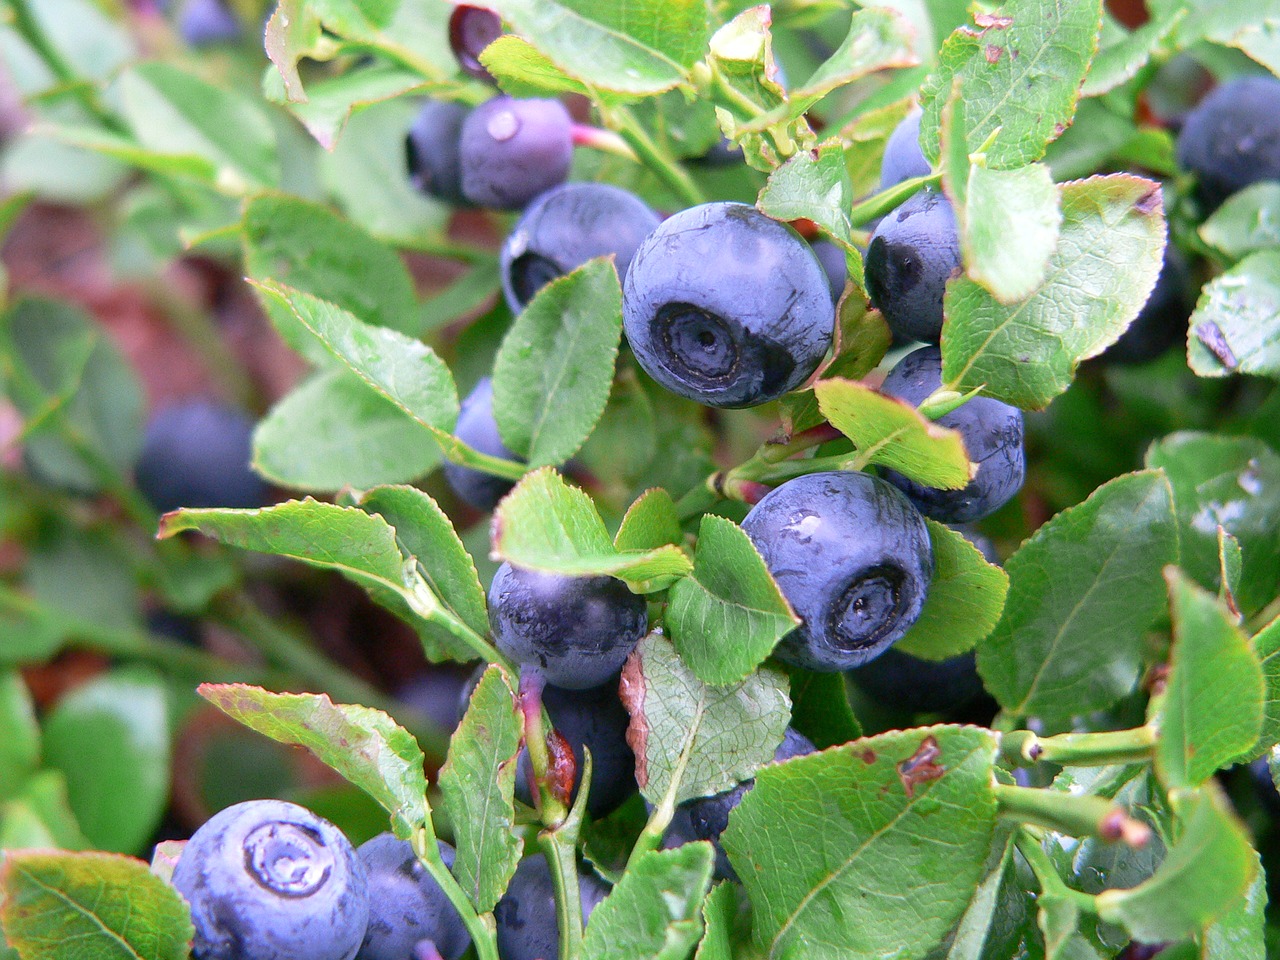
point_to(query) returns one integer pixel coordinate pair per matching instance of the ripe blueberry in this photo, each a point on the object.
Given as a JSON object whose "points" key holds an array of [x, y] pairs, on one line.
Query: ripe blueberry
{"points": [[205, 22], [526, 914], [912, 254], [471, 29], [1162, 322], [512, 150], [834, 266], [196, 454], [431, 150], [727, 307], [705, 818], [992, 433], [272, 881], [564, 228], [478, 429], [905, 683], [597, 720], [1232, 139], [406, 905], [578, 630], [903, 158], [853, 558]]}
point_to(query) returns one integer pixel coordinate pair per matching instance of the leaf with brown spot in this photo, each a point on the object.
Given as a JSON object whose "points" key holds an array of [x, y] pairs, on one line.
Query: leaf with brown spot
{"points": [[921, 766]]}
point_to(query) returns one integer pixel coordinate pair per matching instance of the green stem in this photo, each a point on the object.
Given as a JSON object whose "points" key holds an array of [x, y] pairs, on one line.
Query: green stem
{"points": [[560, 849], [483, 930], [877, 205], [28, 26], [1081, 749], [1051, 883], [1072, 814], [423, 601], [606, 141], [286, 649], [698, 500], [667, 169], [456, 451]]}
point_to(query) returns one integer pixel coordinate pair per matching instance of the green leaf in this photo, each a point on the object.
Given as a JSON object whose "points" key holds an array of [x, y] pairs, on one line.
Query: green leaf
{"points": [[84, 576], [477, 785], [820, 707], [981, 917], [890, 433], [40, 816], [110, 739], [82, 405], [878, 39], [552, 375], [692, 738], [727, 616], [363, 745], [1212, 710], [171, 111], [1021, 70], [1228, 482], [747, 87], [401, 369], [655, 912], [333, 431], [1235, 328], [425, 533], [360, 546], [846, 832], [814, 185], [1266, 647], [1249, 221], [652, 521], [1124, 52], [331, 102], [719, 913], [71, 906], [965, 600], [1082, 590], [631, 46], [20, 746], [1208, 869], [1240, 933], [371, 182], [522, 70], [546, 524], [1009, 229], [1111, 244], [309, 248]]}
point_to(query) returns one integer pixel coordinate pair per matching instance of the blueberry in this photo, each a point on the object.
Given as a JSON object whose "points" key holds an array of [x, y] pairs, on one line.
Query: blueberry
{"points": [[1232, 139], [206, 22], [706, 818], [912, 254], [992, 433], [567, 226], [834, 266], [196, 454], [526, 914], [852, 556], [595, 719], [471, 29], [902, 682], [272, 881], [478, 429], [903, 158], [578, 630], [406, 905], [512, 150], [431, 150], [727, 307], [1162, 322]]}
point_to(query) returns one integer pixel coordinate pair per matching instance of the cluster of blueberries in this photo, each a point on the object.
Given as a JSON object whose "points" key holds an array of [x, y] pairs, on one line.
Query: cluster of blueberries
{"points": [[271, 880]]}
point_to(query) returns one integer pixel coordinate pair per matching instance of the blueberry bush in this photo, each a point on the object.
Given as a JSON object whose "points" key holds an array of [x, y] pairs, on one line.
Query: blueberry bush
{"points": [[636, 479]]}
